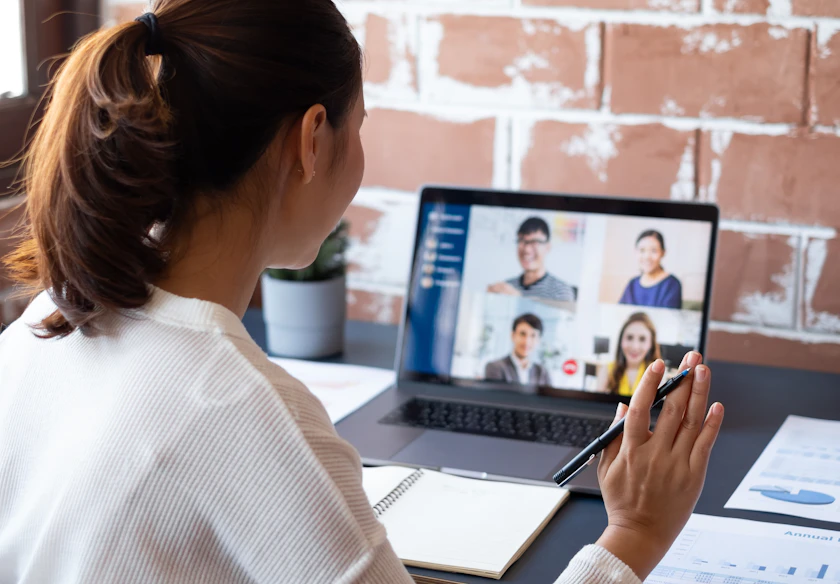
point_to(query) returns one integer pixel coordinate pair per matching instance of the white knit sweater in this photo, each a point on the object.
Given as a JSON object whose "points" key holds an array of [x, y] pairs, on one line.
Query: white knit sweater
{"points": [[170, 450]]}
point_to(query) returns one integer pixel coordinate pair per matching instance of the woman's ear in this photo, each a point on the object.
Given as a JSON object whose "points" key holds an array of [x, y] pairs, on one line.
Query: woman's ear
{"points": [[313, 138]]}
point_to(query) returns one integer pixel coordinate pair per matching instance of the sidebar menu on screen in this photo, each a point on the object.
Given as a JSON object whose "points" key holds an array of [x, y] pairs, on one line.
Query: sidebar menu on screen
{"points": [[436, 288]]}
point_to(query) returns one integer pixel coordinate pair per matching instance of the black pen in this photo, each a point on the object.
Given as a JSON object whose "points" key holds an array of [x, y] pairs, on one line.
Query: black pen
{"points": [[575, 466]]}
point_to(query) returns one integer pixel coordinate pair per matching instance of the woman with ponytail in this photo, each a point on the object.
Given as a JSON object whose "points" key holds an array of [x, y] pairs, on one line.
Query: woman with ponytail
{"points": [[145, 437]]}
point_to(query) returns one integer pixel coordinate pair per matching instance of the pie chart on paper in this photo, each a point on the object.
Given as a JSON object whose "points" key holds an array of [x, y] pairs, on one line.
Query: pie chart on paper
{"points": [[802, 497]]}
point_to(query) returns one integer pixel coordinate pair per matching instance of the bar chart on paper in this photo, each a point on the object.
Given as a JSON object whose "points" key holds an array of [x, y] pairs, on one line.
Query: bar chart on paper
{"points": [[719, 550]]}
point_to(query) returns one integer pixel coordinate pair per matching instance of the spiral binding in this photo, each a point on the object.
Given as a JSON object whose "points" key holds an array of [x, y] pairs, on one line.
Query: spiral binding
{"points": [[398, 492]]}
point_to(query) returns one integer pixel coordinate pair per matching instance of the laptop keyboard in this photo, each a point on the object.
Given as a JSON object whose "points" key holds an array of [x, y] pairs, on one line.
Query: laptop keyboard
{"points": [[530, 426]]}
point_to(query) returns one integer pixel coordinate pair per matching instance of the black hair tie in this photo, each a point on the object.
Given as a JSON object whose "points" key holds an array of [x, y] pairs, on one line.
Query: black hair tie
{"points": [[154, 44]]}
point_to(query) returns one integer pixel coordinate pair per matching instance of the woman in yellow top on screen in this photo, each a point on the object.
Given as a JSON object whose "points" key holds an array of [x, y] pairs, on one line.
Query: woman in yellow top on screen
{"points": [[637, 349]]}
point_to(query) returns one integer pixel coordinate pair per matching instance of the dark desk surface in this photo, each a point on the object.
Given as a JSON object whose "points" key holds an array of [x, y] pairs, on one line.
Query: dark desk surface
{"points": [[757, 401]]}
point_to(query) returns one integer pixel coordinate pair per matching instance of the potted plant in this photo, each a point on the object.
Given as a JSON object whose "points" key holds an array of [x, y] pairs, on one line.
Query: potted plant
{"points": [[304, 310]]}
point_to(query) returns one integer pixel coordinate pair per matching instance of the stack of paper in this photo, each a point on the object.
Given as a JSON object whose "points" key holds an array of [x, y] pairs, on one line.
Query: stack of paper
{"points": [[720, 550], [341, 388], [429, 580], [797, 474]]}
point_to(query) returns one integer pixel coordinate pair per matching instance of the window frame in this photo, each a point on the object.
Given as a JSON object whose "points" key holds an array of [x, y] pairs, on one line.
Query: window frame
{"points": [[50, 28]]}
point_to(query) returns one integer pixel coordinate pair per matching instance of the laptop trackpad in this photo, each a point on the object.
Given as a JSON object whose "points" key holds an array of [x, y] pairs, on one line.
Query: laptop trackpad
{"points": [[513, 458]]}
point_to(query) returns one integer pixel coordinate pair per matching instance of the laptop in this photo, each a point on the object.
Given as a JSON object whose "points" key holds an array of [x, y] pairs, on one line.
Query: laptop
{"points": [[528, 317]]}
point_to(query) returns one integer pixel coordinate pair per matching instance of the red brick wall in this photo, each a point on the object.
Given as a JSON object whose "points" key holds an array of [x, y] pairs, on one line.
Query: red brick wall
{"points": [[731, 101]]}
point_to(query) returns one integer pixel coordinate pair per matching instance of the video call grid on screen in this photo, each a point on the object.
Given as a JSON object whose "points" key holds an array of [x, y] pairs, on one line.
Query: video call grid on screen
{"points": [[495, 302]]}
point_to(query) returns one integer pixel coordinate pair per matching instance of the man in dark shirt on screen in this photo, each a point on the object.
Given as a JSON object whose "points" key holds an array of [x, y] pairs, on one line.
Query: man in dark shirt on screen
{"points": [[533, 243]]}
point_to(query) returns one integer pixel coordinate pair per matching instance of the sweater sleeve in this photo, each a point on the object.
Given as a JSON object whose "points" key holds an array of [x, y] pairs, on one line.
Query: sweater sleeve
{"points": [[380, 564], [595, 565], [384, 568]]}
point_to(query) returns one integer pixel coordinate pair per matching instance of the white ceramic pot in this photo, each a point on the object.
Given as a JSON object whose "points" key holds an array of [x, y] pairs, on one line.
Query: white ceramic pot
{"points": [[304, 320]]}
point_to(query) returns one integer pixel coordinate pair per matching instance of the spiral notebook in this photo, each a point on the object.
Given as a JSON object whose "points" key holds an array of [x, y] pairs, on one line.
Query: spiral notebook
{"points": [[428, 580], [455, 524]]}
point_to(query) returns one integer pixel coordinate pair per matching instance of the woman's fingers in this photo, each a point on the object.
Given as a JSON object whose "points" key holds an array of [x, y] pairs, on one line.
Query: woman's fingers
{"points": [[695, 413], [671, 418], [702, 449], [637, 424], [611, 451]]}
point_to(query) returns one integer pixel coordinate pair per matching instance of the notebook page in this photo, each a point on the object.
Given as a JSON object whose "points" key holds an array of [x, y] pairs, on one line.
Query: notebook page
{"points": [[466, 523], [380, 480]]}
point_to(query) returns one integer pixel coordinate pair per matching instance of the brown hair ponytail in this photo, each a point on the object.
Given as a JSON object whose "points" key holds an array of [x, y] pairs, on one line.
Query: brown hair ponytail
{"points": [[129, 141], [97, 176]]}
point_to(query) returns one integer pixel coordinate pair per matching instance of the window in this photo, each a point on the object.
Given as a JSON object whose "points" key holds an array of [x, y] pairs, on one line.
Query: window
{"points": [[31, 33], [11, 48]]}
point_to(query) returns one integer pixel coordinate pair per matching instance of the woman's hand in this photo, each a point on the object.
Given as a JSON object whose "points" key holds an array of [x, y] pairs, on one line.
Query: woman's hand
{"points": [[651, 480]]}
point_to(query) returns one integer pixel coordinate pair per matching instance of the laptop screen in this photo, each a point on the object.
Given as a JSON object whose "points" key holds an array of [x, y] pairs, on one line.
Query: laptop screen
{"points": [[554, 295]]}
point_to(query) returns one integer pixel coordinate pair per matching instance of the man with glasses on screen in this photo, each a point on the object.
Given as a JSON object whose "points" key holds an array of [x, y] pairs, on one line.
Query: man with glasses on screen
{"points": [[533, 243]]}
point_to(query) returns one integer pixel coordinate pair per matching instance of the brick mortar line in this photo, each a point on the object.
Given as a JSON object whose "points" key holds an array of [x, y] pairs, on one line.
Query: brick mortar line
{"points": [[514, 161], [502, 148], [799, 282], [794, 230], [733, 225], [471, 112], [418, 56], [519, 145], [801, 260], [354, 283], [528, 113], [785, 334], [698, 159], [580, 16]]}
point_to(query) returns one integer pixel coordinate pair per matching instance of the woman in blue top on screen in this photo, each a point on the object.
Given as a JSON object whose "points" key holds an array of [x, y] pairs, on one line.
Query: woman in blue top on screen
{"points": [[655, 287]]}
